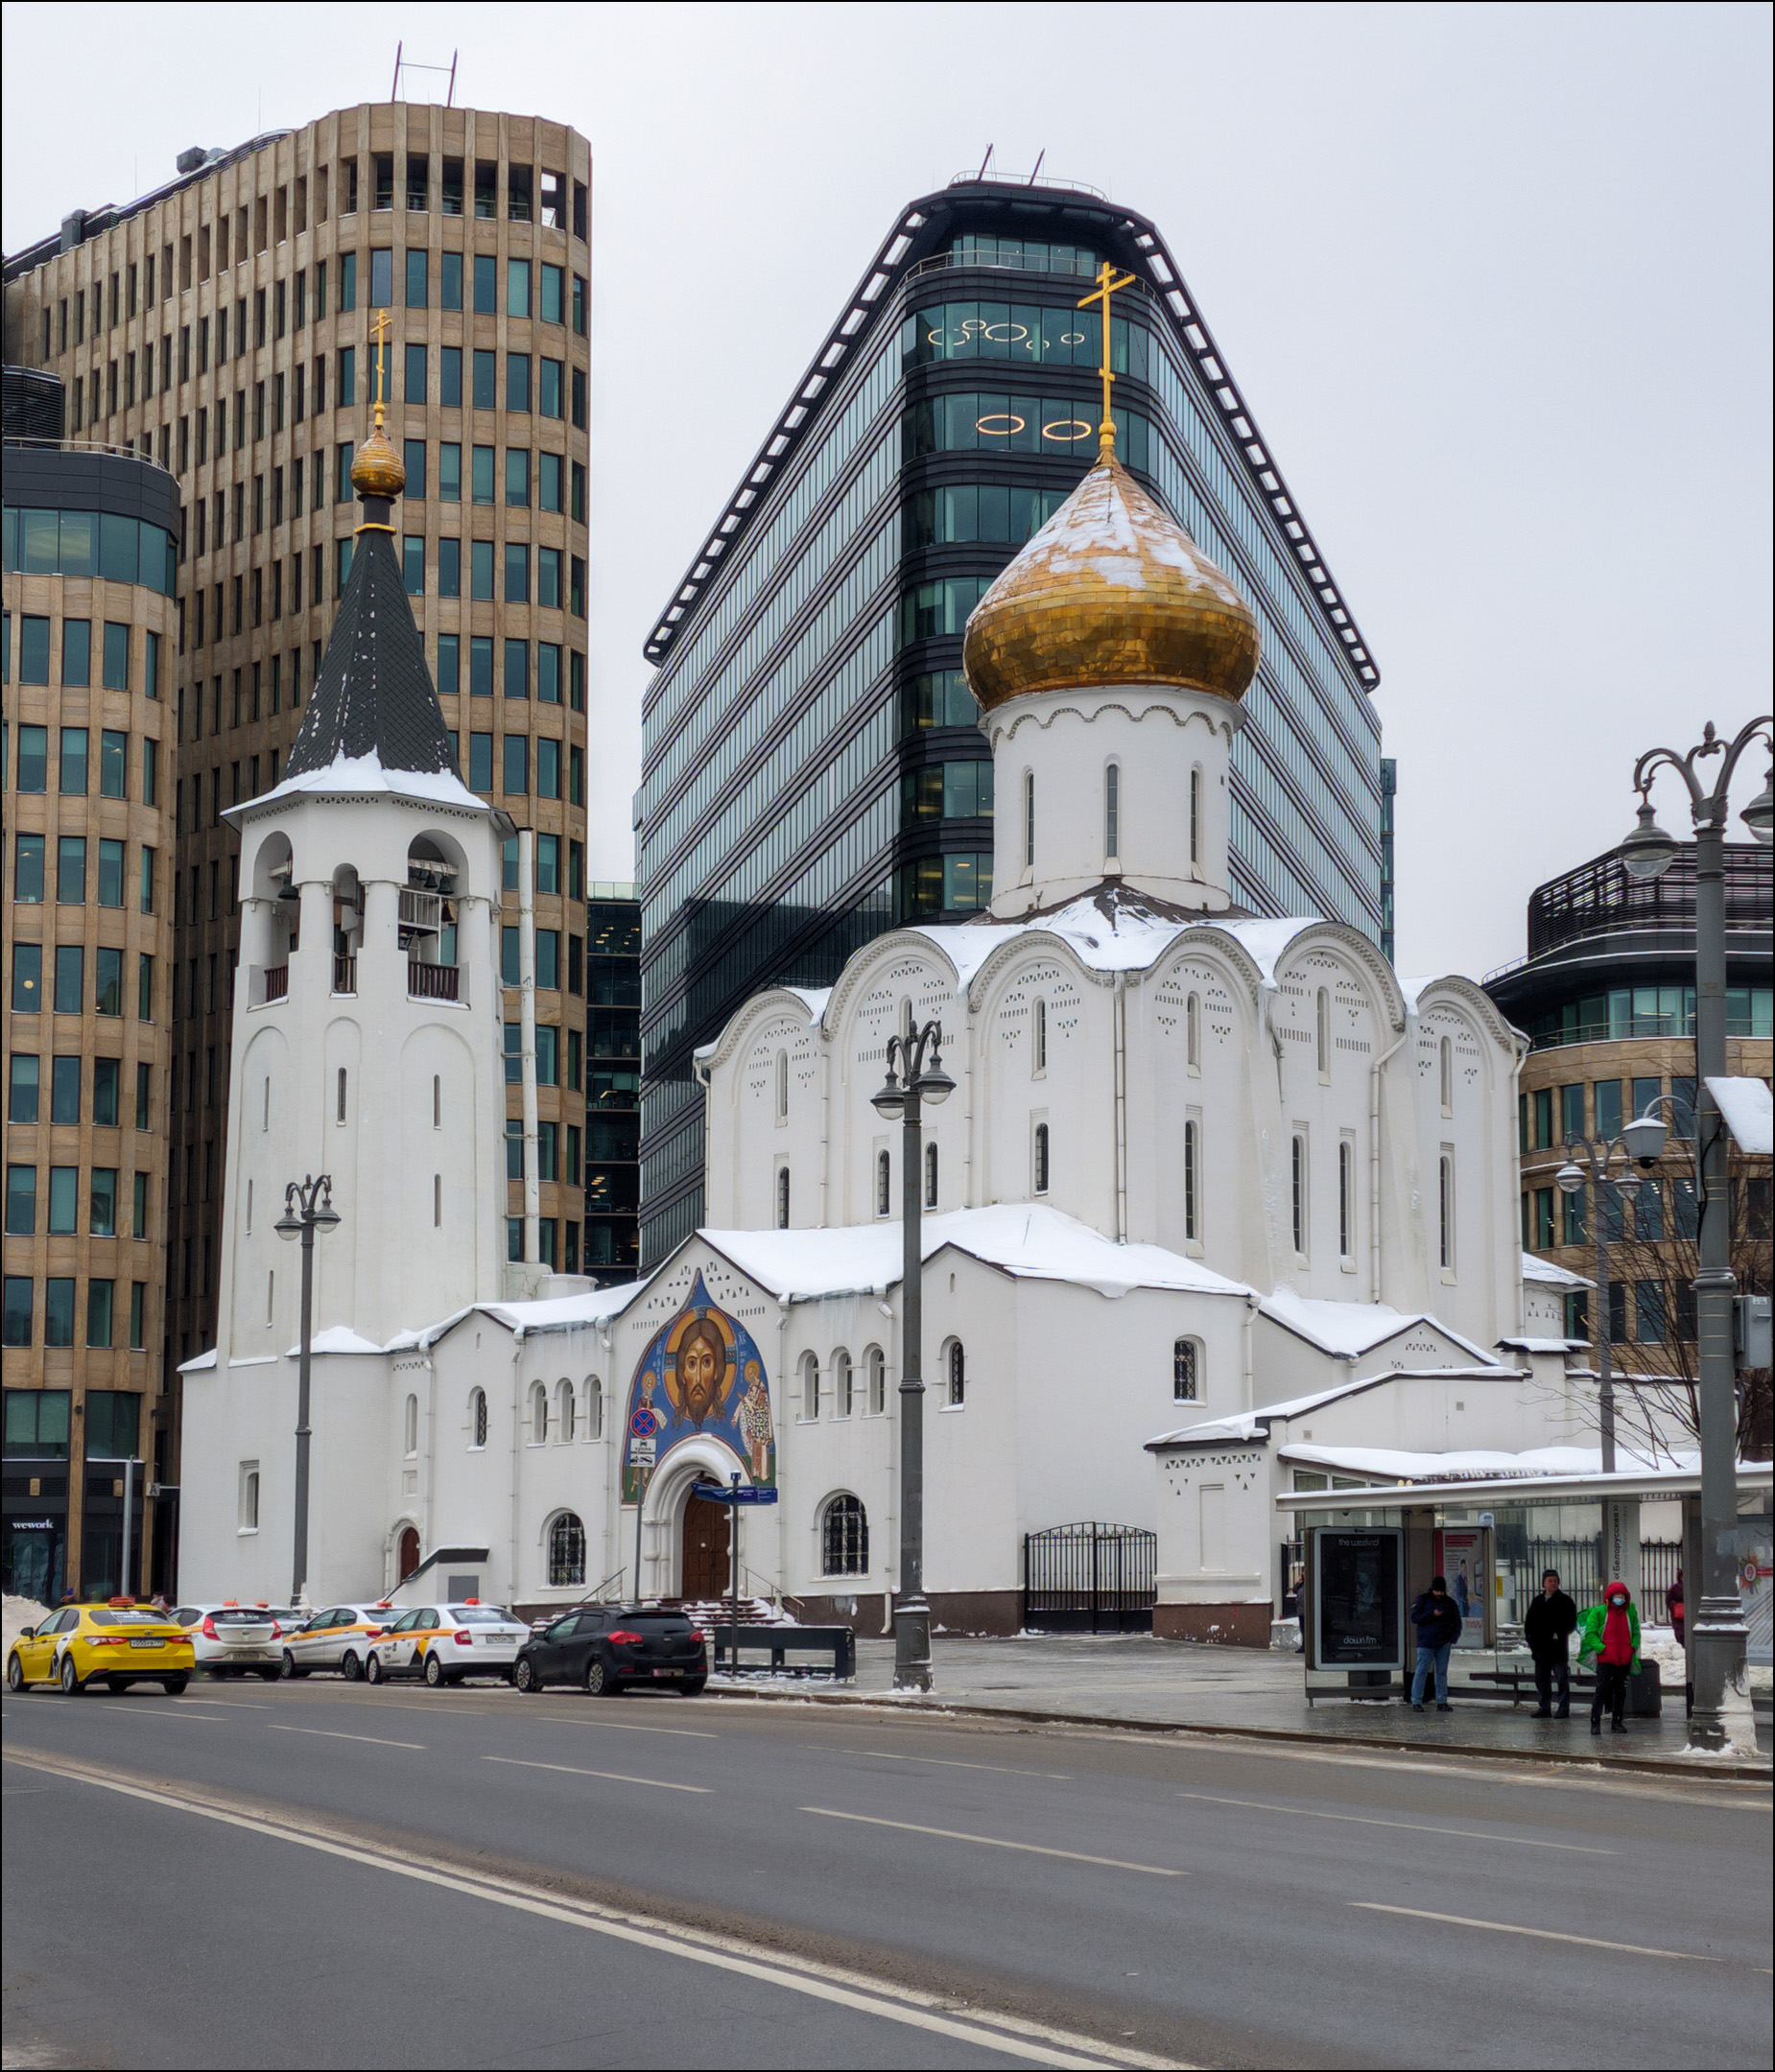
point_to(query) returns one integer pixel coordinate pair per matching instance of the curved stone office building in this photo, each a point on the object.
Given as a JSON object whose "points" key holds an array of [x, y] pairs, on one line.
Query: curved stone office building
{"points": [[90, 648]]}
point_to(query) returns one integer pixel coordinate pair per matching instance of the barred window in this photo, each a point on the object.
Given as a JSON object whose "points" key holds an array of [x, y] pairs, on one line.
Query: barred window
{"points": [[845, 1537], [566, 1551], [477, 1417], [1186, 1371]]}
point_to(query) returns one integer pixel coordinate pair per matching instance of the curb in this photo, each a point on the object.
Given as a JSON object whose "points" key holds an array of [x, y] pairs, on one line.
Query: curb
{"points": [[1641, 1765]]}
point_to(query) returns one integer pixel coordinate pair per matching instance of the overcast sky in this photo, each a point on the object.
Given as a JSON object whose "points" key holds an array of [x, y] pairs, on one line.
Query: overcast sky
{"points": [[1495, 280]]}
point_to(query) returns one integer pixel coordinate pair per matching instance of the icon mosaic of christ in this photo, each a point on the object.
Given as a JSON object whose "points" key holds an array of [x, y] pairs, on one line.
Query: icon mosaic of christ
{"points": [[699, 1372]]}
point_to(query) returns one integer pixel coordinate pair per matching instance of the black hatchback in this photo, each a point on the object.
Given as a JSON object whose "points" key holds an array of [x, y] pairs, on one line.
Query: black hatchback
{"points": [[609, 1648]]}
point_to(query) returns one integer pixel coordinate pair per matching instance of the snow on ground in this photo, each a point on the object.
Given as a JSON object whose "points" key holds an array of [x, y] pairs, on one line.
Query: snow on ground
{"points": [[20, 1613]]}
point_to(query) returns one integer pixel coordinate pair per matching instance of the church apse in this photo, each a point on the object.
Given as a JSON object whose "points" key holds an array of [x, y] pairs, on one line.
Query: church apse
{"points": [[701, 1375]]}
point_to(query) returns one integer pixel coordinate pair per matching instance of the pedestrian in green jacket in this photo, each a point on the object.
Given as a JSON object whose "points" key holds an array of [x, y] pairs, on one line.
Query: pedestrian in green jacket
{"points": [[1608, 1640]]}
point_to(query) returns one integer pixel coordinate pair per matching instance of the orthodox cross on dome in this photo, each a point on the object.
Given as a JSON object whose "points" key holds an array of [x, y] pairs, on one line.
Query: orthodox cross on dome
{"points": [[1108, 282], [379, 331]]}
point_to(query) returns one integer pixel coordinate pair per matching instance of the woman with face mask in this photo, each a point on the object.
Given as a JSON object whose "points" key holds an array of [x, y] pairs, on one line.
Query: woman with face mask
{"points": [[1609, 1642]]}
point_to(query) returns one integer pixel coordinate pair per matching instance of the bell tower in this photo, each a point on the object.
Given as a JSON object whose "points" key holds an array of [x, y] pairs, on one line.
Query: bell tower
{"points": [[366, 1002]]}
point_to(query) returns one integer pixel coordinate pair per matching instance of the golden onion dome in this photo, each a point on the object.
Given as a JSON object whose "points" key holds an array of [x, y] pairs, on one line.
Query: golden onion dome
{"points": [[1110, 591], [378, 470]]}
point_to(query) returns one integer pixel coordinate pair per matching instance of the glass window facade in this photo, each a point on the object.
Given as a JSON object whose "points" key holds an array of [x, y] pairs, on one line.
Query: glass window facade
{"points": [[793, 799]]}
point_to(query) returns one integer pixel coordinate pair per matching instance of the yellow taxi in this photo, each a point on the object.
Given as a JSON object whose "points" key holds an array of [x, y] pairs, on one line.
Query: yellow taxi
{"points": [[119, 1643]]}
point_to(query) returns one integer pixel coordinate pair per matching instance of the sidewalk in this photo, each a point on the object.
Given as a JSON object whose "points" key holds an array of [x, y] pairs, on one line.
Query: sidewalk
{"points": [[1133, 1680]]}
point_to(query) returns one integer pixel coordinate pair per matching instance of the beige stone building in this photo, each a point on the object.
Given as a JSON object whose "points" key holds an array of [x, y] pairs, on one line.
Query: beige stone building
{"points": [[228, 325], [89, 648]]}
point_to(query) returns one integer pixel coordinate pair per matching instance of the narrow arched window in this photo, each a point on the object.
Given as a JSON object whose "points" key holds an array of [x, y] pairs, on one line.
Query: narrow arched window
{"points": [[1038, 1053], [782, 1085], [565, 1413], [878, 1382], [437, 1101], [270, 1297], [340, 1107], [1322, 1031], [265, 1112], [1028, 819], [1346, 1199], [594, 1407], [883, 1183], [931, 1176], [810, 1386], [411, 1428], [782, 1197], [566, 1551], [1192, 1179], [1041, 1158], [438, 1201], [845, 1537], [476, 1418], [250, 1207], [1445, 1192], [1186, 1375], [958, 1376], [1195, 814], [1112, 811], [538, 1413], [1193, 1031], [843, 1384], [1444, 1059], [1297, 1190]]}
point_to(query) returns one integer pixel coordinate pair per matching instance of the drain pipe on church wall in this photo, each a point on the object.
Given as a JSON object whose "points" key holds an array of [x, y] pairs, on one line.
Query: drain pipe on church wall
{"points": [[1120, 1018], [1374, 1155], [527, 1037], [517, 1447]]}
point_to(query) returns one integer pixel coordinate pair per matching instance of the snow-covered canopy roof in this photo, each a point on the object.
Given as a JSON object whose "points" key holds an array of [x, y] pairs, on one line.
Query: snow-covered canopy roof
{"points": [[1545, 1274], [1749, 1108], [1390, 1464], [1028, 1240]]}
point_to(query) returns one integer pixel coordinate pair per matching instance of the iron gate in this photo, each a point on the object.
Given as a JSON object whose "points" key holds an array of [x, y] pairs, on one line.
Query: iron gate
{"points": [[1090, 1578]]}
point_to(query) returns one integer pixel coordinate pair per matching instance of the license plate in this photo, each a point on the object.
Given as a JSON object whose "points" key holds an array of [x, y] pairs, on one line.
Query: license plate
{"points": [[146, 1643], [665, 1672]]}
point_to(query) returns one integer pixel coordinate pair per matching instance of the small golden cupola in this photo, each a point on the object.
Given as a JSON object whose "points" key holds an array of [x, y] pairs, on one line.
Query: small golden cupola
{"points": [[377, 471], [1112, 590]]}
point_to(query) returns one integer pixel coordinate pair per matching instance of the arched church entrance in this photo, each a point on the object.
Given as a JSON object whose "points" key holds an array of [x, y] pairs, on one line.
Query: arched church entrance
{"points": [[407, 1558], [704, 1570]]}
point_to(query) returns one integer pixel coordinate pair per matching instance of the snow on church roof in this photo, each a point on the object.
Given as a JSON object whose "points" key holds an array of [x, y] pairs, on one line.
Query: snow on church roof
{"points": [[1349, 1329], [364, 776], [549, 1313], [1028, 1240]]}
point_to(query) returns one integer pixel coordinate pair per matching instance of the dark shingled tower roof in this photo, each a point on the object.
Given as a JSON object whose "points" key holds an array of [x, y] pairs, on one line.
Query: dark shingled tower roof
{"points": [[374, 694]]}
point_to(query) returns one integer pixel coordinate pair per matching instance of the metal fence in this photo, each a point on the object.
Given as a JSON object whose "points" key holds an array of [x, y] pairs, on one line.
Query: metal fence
{"points": [[1579, 1563], [1090, 1578]]}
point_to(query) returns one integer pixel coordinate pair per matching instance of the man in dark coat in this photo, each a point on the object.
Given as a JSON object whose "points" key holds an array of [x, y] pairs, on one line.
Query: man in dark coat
{"points": [[1438, 1620], [1549, 1623]]}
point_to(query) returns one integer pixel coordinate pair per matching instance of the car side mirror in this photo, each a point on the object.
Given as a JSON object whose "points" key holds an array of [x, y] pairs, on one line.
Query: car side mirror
{"points": [[27, 1633]]}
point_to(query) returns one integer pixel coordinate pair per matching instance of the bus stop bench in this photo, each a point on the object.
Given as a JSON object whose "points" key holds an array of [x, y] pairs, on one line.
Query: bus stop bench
{"points": [[837, 1644], [1516, 1685]]}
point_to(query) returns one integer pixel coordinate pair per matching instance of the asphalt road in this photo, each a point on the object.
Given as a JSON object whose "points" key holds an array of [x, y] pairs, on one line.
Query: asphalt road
{"points": [[323, 1874]]}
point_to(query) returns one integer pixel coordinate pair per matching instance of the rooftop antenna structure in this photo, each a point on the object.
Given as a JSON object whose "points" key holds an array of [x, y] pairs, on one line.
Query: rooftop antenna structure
{"points": [[1039, 156], [411, 65], [986, 162]]}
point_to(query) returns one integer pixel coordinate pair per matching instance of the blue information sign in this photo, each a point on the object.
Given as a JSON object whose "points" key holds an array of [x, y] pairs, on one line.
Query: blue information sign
{"points": [[712, 1493]]}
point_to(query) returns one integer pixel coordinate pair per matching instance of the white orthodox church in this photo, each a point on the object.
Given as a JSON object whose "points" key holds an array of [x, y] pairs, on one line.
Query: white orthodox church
{"points": [[1208, 1184]]}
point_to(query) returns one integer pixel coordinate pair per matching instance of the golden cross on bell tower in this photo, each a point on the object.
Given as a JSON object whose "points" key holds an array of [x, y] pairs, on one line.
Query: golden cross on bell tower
{"points": [[379, 331], [1108, 282]]}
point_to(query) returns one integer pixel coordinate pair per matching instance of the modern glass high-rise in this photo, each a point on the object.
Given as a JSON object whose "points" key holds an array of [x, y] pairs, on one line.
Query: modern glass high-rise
{"points": [[227, 325], [811, 767]]}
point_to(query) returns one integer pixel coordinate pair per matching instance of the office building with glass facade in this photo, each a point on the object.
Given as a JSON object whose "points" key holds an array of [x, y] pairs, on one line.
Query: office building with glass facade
{"points": [[612, 1082], [227, 326], [86, 762], [813, 768]]}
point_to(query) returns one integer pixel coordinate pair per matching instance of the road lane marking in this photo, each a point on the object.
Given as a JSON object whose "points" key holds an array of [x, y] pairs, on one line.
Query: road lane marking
{"points": [[574, 1719], [227, 1705], [1370, 1820], [1010, 2035], [153, 1712], [1546, 1935], [329, 1734], [941, 1763], [613, 1776], [1030, 1848]]}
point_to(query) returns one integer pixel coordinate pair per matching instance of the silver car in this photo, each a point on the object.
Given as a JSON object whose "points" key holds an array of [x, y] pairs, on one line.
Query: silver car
{"points": [[237, 1640]]}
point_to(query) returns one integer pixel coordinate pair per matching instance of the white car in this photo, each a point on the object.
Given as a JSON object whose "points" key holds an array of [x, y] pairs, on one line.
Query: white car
{"points": [[444, 1643], [337, 1638], [237, 1640]]}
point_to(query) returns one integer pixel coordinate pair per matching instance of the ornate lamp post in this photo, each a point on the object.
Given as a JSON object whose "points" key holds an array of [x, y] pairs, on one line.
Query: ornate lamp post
{"points": [[1719, 1632], [307, 1208], [917, 1057]]}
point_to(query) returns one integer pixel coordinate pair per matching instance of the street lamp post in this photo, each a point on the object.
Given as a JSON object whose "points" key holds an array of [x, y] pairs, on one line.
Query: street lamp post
{"points": [[307, 1208], [1718, 1631], [917, 1056]]}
